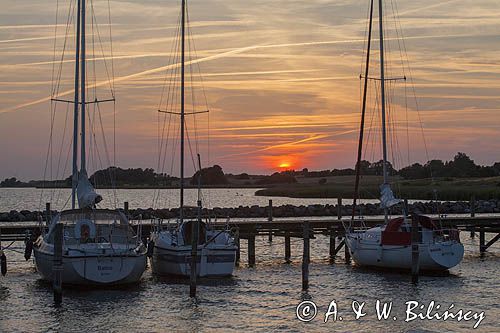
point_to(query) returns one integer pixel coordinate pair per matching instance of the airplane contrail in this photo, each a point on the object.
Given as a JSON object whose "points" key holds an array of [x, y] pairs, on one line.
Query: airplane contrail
{"points": [[218, 56], [118, 57], [267, 127], [29, 26], [131, 76], [409, 11], [312, 138], [26, 39]]}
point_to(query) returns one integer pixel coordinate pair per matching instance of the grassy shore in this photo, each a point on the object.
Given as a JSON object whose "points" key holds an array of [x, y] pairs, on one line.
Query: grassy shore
{"points": [[424, 189]]}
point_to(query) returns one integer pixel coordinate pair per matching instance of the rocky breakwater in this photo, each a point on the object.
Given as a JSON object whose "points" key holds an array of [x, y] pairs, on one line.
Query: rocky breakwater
{"points": [[482, 206]]}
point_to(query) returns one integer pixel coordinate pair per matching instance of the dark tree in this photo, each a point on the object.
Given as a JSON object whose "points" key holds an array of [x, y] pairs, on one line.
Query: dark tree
{"points": [[414, 171], [243, 176], [278, 178], [210, 176]]}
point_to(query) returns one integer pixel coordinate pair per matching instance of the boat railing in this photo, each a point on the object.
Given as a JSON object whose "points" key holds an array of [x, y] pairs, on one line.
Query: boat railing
{"points": [[447, 234]]}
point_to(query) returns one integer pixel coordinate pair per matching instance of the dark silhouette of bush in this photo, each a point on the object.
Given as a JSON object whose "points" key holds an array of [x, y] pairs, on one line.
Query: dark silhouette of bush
{"points": [[210, 176], [285, 177]]}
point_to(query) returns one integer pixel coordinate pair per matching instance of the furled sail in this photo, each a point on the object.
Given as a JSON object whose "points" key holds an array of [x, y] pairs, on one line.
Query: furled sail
{"points": [[387, 198], [87, 196]]}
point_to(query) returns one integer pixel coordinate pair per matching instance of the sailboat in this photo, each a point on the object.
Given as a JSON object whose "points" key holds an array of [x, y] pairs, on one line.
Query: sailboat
{"points": [[390, 245], [99, 246], [171, 248]]}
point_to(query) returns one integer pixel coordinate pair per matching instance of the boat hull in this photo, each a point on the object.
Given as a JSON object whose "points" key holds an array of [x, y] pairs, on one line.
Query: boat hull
{"points": [[432, 257], [93, 270], [213, 259], [211, 262]]}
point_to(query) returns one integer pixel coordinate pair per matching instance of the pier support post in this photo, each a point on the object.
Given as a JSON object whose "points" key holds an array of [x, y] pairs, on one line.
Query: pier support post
{"points": [[238, 244], [3, 258], [482, 247], [194, 252], [472, 206], [48, 214], [270, 219], [473, 214], [491, 242], [414, 251], [305, 257], [57, 265], [332, 245], [251, 250], [288, 249], [126, 208], [347, 254], [339, 208]]}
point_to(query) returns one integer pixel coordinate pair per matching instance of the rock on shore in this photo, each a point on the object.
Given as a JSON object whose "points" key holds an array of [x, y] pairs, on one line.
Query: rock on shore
{"points": [[482, 206]]}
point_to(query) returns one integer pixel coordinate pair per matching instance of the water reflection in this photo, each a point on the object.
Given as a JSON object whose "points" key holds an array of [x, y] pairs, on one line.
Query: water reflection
{"points": [[262, 298]]}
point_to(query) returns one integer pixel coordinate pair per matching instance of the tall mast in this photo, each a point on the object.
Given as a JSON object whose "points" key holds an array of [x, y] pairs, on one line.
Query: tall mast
{"points": [[82, 88], [382, 91], [183, 29], [74, 178], [363, 112]]}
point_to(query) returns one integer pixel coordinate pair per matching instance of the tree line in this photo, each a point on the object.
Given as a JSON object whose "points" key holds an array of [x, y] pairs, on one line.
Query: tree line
{"points": [[461, 166]]}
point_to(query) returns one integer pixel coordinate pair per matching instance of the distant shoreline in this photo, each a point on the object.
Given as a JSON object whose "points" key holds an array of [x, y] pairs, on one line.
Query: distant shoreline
{"points": [[441, 189]]}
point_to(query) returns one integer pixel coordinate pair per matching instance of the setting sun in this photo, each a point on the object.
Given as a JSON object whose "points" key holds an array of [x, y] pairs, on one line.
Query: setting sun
{"points": [[284, 165]]}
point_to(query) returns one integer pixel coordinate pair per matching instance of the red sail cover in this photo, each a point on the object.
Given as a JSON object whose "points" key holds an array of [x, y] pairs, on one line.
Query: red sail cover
{"points": [[425, 221], [392, 235]]}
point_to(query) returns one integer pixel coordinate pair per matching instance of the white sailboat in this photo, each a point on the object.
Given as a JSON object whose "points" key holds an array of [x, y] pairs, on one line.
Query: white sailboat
{"points": [[99, 245], [171, 248], [389, 245]]}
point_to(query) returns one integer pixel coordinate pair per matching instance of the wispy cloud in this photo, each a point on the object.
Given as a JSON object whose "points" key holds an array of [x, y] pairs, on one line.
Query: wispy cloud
{"points": [[280, 77], [210, 58]]}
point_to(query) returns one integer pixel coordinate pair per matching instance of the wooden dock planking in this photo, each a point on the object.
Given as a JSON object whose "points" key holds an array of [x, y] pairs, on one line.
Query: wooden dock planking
{"points": [[293, 227], [331, 227]]}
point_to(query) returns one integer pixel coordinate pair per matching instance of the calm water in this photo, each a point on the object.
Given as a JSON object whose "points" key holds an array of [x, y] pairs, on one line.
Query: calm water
{"points": [[261, 299], [35, 199], [255, 299]]}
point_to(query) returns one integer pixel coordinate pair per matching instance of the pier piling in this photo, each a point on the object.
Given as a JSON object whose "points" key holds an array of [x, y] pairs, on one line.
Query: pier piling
{"points": [[347, 254], [473, 214], [238, 244], [251, 250], [126, 208], [305, 257], [332, 244], [414, 251], [339, 208], [57, 265], [472, 206], [3, 258], [482, 247], [288, 250], [48, 213], [194, 253], [270, 219]]}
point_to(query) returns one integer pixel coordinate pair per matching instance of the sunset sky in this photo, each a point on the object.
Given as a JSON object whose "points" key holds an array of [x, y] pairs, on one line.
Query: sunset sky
{"points": [[281, 78]]}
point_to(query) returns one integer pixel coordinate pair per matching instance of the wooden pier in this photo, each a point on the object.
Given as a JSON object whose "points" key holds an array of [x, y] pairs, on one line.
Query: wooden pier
{"points": [[294, 228], [332, 227], [300, 227]]}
